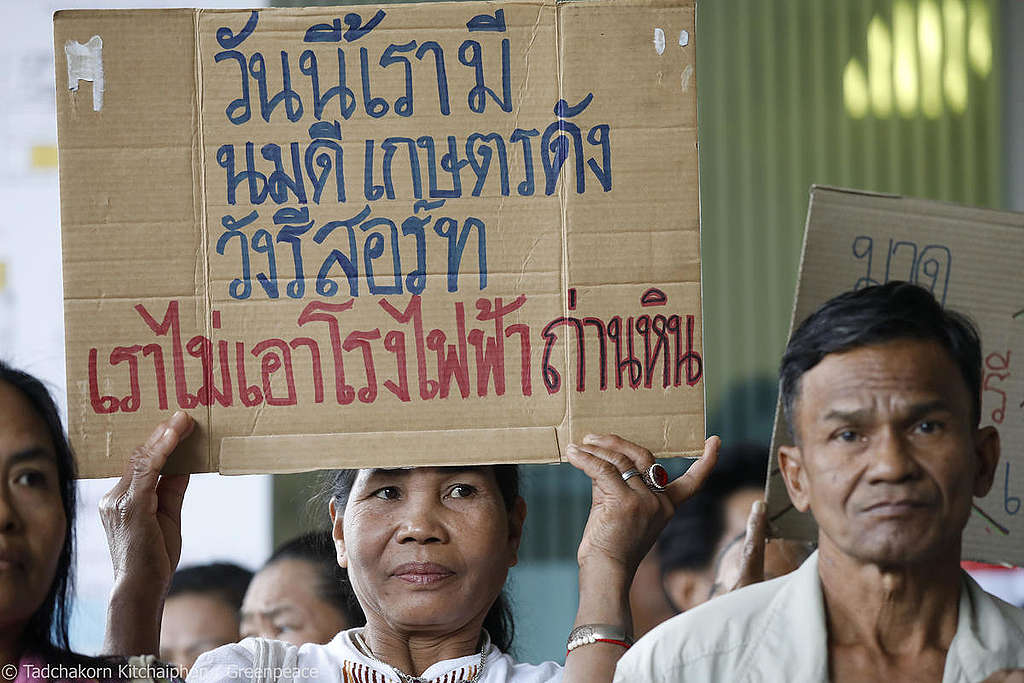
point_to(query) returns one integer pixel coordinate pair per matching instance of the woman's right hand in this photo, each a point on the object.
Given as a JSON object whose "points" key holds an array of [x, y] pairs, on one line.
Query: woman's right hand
{"points": [[142, 519], [627, 516]]}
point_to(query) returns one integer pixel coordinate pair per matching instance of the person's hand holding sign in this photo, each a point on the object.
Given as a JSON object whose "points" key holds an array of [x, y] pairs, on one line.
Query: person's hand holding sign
{"points": [[142, 519], [731, 573], [629, 510], [632, 502]]}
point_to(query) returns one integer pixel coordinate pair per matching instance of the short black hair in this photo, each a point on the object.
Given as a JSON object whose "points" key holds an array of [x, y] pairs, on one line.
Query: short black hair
{"points": [[317, 549], [223, 581], [875, 315]]}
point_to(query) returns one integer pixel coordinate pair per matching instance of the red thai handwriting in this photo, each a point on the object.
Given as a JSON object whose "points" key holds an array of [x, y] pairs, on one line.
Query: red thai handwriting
{"points": [[997, 369], [475, 353]]}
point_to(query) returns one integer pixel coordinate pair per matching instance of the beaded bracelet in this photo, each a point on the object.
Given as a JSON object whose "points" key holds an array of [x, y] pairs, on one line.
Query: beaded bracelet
{"points": [[597, 633]]}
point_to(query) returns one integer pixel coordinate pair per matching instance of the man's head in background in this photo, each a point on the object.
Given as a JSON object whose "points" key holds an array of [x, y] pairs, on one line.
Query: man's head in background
{"points": [[201, 611], [686, 548], [751, 557], [882, 392], [301, 595], [709, 521]]}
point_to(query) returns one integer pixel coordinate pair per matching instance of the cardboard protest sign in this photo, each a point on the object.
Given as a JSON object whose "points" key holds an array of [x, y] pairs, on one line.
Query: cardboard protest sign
{"points": [[970, 259], [407, 235]]}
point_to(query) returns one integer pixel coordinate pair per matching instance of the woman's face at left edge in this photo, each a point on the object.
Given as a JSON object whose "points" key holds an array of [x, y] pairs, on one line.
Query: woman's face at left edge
{"points": [[32, 519], [428, 548]]}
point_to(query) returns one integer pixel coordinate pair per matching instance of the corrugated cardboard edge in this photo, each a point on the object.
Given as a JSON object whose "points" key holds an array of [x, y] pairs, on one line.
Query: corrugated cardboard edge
{"points": [[923, 207], [252, 454], [700, 213], [199, 213], [563, 222], [778, 428], [849, 190]]}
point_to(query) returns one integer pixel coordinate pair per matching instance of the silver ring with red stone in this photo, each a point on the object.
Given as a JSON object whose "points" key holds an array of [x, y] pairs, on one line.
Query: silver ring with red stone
{"points": [[656, 478]]}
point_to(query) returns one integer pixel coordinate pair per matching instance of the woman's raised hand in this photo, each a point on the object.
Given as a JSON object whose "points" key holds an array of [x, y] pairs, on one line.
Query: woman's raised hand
{"points": [[626, 515], [142, 518]]}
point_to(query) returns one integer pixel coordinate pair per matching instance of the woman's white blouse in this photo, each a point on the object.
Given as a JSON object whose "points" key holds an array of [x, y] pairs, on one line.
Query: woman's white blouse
{"points": [[271, 661]]}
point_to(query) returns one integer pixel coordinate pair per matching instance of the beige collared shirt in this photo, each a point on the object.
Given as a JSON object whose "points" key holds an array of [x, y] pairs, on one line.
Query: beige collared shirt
{"points": [[775, 631]]}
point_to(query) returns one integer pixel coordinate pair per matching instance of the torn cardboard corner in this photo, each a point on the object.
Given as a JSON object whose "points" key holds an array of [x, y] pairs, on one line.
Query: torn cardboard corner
{"points": [[420, 234], [970, 260]]}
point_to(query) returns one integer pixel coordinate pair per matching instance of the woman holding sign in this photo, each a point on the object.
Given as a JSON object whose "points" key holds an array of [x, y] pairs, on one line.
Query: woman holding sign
{"points": [[427, 550]]}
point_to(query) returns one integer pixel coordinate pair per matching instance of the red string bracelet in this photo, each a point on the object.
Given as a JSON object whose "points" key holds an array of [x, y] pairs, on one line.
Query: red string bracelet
{"points": [[597, 633]]}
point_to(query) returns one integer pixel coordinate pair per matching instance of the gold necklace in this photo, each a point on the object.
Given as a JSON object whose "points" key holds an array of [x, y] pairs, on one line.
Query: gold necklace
{"points": [[407, 678]]}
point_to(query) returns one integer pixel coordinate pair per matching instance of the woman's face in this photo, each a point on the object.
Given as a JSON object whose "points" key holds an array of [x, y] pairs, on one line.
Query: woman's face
{"points": [[427, 549], [32, 521]]}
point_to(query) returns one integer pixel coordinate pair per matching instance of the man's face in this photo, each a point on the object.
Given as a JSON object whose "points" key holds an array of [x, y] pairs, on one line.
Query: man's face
{"points": [[888, 458], [283, 603], [194, 623]]}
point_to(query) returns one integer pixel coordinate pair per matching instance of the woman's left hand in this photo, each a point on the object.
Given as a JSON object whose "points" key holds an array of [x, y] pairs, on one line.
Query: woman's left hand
{"points": [[626, 516]]}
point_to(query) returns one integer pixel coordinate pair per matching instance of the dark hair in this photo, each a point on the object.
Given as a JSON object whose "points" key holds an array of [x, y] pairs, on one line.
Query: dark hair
{"points": [[875, 315], [688, 540], [498, 623], [333, 587], [692, 535], [46, 631], [222, 581], [740, 466]]}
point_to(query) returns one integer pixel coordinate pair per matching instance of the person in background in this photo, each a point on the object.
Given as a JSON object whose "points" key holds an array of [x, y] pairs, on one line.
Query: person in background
{"points": [[700, 553], [752, 557], [687, 546], [882, 391], [704, 537], [648, 607], [738, 481], [427, 550], [37, 543], [201, 611], [300, 595], [682, 560]]}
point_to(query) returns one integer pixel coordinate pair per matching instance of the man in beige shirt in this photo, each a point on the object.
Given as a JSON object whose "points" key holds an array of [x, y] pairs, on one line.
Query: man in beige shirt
{"points": [[882, 391]]}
